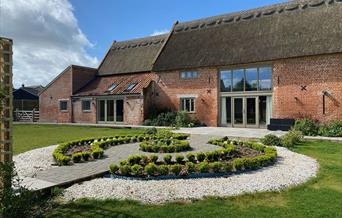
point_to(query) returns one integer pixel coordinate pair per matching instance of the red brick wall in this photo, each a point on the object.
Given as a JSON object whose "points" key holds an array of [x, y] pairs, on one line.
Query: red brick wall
{"points": [[170, 87], [318, 74], [80, 116], [49, 99], [134, 110]]}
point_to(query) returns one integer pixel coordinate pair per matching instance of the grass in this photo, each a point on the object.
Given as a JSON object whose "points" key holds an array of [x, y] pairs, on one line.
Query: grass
{"points": [[30, 136], [320, 197]]}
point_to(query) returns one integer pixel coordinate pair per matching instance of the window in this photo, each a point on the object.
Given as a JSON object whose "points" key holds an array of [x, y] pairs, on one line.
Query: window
{"points": [[63, 105], [86, 104], [265, 78], [130, 87], [189, 75], [188, 104], [112, 87], [245, 80]]}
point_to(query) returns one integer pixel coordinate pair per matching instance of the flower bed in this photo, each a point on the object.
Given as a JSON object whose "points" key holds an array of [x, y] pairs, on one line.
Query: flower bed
{"points": [[93, 148], [235, 156]]}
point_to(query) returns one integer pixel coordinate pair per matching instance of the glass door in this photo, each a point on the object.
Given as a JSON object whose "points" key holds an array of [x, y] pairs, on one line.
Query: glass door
{"points": [[101, 110], [110, 110], [119, 110], [238, 112], [251, 112]]}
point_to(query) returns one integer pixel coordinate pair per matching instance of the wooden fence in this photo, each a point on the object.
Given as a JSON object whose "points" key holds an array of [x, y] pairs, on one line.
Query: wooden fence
{"points": [[26, 116]]}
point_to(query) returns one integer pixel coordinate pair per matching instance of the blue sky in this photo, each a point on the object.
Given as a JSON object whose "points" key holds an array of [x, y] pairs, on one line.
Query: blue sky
{"points": [[106, 20]]}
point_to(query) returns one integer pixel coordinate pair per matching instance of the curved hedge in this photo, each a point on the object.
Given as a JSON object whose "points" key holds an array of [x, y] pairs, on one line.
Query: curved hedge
{"points": [[165, 145], [97, 146], [225, 160]]}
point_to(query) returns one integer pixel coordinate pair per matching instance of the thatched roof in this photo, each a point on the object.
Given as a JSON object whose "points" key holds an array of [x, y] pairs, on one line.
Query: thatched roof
{"points": [[292, 29], [131, 56]]}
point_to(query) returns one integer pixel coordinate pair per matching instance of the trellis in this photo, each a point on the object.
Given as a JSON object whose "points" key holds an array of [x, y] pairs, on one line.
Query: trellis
{"points": [[6, 89]]}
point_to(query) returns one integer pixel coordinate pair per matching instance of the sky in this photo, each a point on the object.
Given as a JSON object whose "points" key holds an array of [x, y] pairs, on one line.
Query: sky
{"points": [[49, 35]]}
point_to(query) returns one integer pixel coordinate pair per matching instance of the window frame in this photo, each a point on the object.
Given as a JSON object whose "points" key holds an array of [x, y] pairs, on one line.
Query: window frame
{"points": [[86, 100], [192, 104], [112, 87], [133, 84], [245, 68], [186, 76], [60, 105]]}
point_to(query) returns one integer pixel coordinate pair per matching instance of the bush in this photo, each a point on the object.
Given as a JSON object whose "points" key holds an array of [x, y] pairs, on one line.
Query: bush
{"points": [[183, 119], [203, 167], [176, 169], [216, 167], [113, 168], [151, 169], [167, 159], [306, 126], [153, 158], [97, 153], [125, 170], [291, 138], [151, 131], [333, 129], [212, 156], [271, 140], [200, 156], [86, 155], [179, 158], [163, 170], [136, 170], [134, 159], [191, 167], [191, 157], [77, 157], [239, 164]]}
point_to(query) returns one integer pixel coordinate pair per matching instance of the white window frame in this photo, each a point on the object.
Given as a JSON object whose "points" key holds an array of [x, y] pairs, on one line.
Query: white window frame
{"points": [[83, 100], [191, 103], [189, 74]]}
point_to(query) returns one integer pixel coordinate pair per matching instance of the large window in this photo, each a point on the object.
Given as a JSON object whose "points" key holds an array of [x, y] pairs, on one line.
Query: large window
{"points": [[188, 104], [247, 79], [63, 105]]}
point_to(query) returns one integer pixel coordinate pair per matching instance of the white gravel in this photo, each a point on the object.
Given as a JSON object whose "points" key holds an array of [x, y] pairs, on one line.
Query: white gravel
{"points": [[291, 169], [29, 163]]}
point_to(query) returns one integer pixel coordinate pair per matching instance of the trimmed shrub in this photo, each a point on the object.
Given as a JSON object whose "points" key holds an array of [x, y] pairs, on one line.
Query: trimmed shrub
{"points": [[203, 167], [200, 156], [167, 159], [216, 167], [179, 158], [77, 157], [151, 131], [153, 158], [123, 162], [113, 168], [125, 170], [271, 140], [238, 164], [151, 169], [191, 167], [191, 157], [176, 169], [212, 156], [134, 159], [307, 127], [163, 170], [136, 170], [97, 153], [86, 155]]}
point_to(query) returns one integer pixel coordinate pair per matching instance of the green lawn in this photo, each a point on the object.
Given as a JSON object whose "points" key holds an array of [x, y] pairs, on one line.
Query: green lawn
{"points": [[320, 197], [30, 136]]}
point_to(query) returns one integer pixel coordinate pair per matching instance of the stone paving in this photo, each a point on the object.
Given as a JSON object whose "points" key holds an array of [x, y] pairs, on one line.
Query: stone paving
{"points": [[69, 174]]}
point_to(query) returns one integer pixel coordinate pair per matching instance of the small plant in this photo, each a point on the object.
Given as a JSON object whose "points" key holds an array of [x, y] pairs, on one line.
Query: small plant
{"points": [[307, 127], [191, 167], [203, 167], [113, 168], [151, 169], [179, 158], [123, 162], [134, 159], [97, 153], [86, 155], [271, 140], [151, 131], [153, 158], [163, 170], [200, 156], [77, 157], [167, 159], [125, 170], [176, 169], [333, 129], [216, 167], [136, 170], [191, 157]]}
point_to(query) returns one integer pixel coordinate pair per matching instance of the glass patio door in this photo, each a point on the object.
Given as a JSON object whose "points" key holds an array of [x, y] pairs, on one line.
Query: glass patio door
{"points": [[110, 110], [245, 112]]}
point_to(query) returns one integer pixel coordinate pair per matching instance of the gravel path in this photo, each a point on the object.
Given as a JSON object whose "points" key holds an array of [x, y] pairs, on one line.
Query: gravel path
{"points": [[31, 162], [291, 169]]}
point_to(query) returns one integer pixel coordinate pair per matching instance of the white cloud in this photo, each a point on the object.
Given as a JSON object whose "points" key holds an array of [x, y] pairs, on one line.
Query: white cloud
{"points": [[159, 32], [46, 39]]}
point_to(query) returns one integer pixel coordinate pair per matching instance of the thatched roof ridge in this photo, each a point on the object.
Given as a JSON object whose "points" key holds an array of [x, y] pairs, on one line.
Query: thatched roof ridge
{"points": [[291, 29]]}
